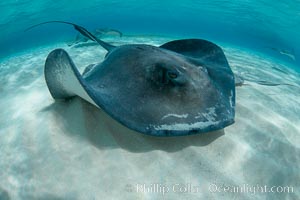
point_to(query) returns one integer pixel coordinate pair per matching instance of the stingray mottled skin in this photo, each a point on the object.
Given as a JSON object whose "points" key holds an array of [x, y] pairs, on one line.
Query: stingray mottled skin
{"points": [[182, 87]]}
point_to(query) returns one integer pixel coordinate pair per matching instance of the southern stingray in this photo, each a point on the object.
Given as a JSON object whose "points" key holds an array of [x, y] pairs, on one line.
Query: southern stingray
{"points": [[99, 33], [181, 87]]}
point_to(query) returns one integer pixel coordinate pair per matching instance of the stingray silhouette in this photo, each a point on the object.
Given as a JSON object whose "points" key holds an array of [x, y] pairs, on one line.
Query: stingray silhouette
{"points": [[181, 87]]}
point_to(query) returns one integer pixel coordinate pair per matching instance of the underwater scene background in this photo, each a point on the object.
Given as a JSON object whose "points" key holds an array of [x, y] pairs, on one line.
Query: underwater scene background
{"points": [[73, 150], [264, 25]]}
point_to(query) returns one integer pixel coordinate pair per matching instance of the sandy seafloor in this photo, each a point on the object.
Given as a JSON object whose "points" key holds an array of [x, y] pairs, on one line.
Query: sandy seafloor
{"points": [[72, 150]]}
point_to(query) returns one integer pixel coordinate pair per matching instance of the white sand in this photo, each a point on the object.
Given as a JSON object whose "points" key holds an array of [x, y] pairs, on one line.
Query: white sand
{"points": [[72, 150]]}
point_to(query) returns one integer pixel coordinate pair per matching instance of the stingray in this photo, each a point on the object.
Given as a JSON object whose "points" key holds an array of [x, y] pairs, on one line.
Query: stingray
{"points": [[179, 88], [285, 52], [99, 33], [240, 81]]}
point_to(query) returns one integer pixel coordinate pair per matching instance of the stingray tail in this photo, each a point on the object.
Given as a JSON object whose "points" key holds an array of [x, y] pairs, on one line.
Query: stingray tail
{"points": [[81, 30], [62, 77]]}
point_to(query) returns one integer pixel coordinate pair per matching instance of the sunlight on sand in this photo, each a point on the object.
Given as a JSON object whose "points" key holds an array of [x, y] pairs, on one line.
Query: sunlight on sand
{"points": [[72, 150]]}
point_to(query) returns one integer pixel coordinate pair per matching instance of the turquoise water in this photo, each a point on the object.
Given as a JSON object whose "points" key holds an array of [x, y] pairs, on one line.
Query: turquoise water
{"points": [[263, 25], [73, 150]]}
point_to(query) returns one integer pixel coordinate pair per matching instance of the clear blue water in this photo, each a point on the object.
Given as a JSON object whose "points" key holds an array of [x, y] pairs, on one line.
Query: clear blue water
{"points": [[263, 25], [73, 150]]}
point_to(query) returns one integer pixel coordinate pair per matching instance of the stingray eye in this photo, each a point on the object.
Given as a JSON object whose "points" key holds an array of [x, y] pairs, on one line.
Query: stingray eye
{"points": [[172, 75]]}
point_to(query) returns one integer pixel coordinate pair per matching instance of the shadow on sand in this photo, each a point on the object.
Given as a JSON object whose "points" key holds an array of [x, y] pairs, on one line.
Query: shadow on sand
{"points": [[81, 119]]}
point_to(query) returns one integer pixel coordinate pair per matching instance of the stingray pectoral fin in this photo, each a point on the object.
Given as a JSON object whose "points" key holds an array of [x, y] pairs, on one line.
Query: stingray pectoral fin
{"points": [[197, 49], [62, 77]]}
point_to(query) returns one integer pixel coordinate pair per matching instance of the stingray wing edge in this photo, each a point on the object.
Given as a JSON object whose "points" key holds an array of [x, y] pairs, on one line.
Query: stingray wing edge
{"points": [[63, 78]]}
